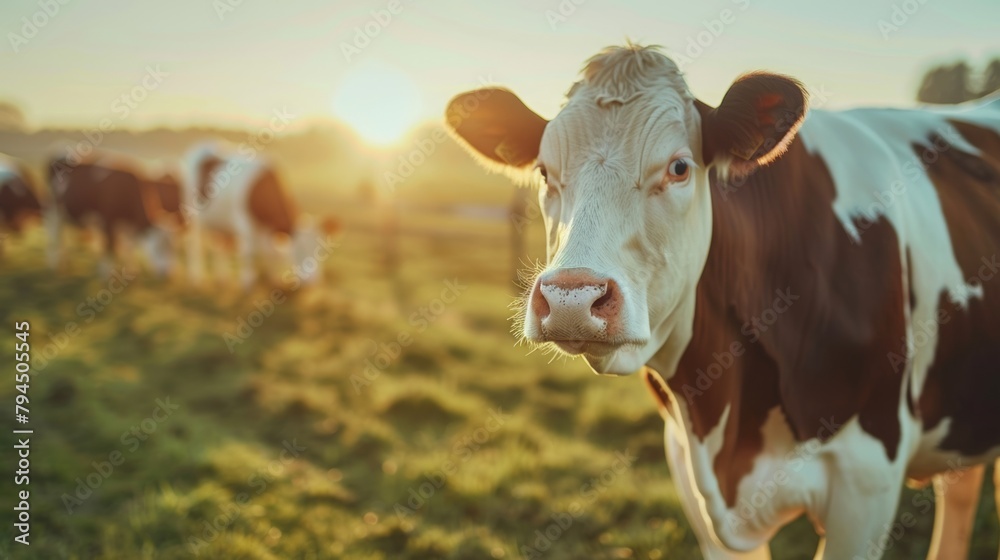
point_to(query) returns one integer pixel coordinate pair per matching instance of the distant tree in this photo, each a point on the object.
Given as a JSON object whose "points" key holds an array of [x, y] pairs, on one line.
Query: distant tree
{"points": [[12, 117], [946, 84], [991, 78], [950, 83]]}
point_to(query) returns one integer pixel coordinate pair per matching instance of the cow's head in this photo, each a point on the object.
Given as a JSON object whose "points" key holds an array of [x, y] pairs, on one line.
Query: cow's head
{"points": [[625, 192], [157, 242], [311, 246]]}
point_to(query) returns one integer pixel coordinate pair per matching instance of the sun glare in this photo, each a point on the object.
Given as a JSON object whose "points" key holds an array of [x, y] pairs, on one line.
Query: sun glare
{"points": [[379, 101]]}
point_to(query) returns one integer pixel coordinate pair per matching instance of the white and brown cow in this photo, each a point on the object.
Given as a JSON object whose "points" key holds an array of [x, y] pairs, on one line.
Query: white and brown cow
{"points": [[238, 196], [19, 203], [812, 300], [114, 193]]}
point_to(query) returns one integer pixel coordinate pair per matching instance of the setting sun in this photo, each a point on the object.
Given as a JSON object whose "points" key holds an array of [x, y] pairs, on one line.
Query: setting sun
{"points": [[379, 101]]}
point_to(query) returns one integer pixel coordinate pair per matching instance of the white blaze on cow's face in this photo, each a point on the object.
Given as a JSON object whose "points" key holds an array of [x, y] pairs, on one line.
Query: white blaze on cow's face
{"points": [[627, 210], [625, 193]]}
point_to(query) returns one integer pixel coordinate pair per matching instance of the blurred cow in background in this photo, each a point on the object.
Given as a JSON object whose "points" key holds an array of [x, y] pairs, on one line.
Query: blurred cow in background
{"points": [[239, 198], [18, 201], [115, 194]]}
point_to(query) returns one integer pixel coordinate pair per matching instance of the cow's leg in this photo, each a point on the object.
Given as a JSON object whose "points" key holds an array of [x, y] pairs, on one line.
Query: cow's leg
{"points": [[126, 249], [193, 249], [243, 231], [220, 257], [677, 460], [106, 262], [996, 486], [53, 227], [861, 509], [957, 497]]}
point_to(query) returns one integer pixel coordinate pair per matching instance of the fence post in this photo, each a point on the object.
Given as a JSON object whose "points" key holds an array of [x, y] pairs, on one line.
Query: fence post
{"points": [[390, 248]]}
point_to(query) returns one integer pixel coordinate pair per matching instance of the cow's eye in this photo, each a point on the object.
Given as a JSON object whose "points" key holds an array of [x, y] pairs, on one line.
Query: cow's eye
{"points": [[678, 170]]}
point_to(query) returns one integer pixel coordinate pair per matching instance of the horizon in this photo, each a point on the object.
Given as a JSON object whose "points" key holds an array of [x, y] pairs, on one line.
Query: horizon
{"points": [[387, 67]]}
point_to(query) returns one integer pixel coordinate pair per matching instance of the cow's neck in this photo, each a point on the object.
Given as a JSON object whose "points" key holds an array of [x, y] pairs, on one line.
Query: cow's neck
{"points": [[780, 257]]}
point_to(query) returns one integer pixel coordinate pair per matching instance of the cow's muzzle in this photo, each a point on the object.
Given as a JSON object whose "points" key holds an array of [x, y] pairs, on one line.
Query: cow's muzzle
{"points": [[577, 310]]}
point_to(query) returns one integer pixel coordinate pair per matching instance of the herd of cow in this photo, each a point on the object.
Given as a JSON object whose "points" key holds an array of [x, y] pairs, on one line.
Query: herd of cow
{"points": [[230, 199], [671, 228]]}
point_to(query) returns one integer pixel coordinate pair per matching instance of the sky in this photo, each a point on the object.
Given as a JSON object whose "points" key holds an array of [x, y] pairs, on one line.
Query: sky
{"points": [[187, 62]]}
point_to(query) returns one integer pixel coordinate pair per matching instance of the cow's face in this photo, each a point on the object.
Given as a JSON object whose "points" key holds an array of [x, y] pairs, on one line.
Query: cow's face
{"points": [[625, 193], [311, 246]]}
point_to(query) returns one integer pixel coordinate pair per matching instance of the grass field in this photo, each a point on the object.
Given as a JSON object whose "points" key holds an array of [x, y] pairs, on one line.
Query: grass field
{"points": [[348, 423]]}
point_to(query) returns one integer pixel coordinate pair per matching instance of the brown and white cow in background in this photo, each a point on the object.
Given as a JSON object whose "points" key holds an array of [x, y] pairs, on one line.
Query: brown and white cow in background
{"points": [[18, 200], [240, 197], [115, 194], [867, 240]]}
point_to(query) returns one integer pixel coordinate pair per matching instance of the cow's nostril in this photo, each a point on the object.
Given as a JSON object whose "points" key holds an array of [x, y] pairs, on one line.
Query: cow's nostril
{"points": [[539, 304], [607, 305], [603, 300]]}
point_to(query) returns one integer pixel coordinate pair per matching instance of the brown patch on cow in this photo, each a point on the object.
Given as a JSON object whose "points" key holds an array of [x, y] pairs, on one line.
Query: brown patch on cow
{"points": [[823, 359], [18, 203], [269, 206], [658, 387], [963, 382], [117, 197], [168, 191]]}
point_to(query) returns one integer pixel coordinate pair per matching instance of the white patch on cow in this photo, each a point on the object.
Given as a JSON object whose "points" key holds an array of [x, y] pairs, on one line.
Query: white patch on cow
{"points": [[675, 444], [752, 522], [9, 169], [842, 484], [877, 173], [8, 165]]}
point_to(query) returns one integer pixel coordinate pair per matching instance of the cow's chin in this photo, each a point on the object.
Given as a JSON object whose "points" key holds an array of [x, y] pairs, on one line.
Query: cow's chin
{"points": [[603, 358], [623, 361]]}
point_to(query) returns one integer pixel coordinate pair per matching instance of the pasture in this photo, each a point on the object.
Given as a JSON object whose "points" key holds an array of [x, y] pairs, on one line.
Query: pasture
{"points": [[363, 419]]}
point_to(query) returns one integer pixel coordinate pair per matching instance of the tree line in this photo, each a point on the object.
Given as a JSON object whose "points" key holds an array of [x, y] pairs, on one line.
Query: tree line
{"points": [[955, 83]]}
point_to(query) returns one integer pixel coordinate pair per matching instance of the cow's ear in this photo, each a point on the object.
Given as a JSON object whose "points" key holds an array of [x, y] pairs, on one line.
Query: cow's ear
{"points": [[754, 124], [496, 124]]}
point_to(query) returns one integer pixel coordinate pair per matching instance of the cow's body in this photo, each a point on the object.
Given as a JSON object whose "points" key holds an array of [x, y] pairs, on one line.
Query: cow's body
{"points": [[115, 195], [241, 198], [820, 301], [18, 200], [855, 275]]}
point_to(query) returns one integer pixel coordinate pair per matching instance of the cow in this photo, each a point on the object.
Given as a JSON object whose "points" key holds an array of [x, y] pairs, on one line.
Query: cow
{"points": [[811, 300], [19, 203], [114, 193], [239, 197]]}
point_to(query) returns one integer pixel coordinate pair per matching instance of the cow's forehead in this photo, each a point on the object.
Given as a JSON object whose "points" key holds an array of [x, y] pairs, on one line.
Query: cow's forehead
{"points": [[647, 128], [625, 98]]}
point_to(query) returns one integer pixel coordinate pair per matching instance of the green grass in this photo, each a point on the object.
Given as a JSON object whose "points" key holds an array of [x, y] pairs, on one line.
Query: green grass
{"points": [[461, 446]]}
